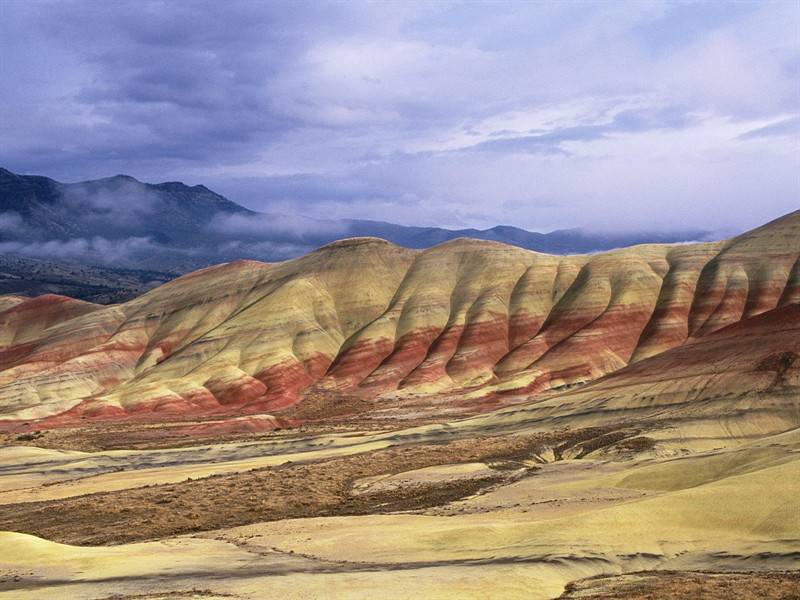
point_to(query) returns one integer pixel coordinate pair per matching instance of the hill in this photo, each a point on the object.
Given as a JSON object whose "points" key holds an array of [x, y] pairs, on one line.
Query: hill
{"points": [[365, 320]]}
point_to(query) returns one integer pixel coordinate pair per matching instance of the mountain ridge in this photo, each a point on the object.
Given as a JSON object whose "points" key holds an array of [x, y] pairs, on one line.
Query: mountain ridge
{"points": [[172, 226]]}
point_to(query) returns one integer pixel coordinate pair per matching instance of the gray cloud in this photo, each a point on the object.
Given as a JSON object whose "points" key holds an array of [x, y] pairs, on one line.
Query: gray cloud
{"points": [[787, 127], [11, 222], [275, 226], [551, 142], [119, 203], [542, 115], [274, 250]]}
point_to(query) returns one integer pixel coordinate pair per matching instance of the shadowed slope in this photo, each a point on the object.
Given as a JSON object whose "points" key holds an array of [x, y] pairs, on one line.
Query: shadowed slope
{"points": [[365, 317], [739, 382]]}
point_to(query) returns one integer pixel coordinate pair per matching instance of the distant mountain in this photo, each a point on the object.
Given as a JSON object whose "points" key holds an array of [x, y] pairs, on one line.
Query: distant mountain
{"points": [[112, 221], [121, 222], [561, 241]]}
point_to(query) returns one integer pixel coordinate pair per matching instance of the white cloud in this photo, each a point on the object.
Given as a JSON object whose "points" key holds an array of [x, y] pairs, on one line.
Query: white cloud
{"points": [[259, 225], [97, 250], [11, 222]]}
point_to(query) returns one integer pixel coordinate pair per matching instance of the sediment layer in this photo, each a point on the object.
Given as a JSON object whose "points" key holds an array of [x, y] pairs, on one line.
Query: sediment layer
{"points": [[366, 318]]}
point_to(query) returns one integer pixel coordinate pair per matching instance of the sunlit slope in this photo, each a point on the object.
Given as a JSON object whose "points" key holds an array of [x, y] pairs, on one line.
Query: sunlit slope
{"points": [[364, 316]]}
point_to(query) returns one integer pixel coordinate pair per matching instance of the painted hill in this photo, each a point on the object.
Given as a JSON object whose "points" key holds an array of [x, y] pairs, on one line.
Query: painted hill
{"points": [[365, 318], [740, 382]]}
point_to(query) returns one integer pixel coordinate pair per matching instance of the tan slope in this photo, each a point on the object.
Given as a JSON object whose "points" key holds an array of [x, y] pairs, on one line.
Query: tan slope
{"points": [[364, 316], [9, 300]]}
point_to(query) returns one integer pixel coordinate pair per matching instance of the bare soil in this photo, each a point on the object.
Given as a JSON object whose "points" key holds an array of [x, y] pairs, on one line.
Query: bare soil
{"points": [[688, 585], [312, 489]]}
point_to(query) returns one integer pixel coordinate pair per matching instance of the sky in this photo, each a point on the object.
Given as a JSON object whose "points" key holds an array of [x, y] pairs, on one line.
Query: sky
{"points": [[611, 116]]}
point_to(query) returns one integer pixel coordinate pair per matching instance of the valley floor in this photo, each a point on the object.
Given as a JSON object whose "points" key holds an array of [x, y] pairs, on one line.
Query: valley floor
{"points": [[488, 507]]}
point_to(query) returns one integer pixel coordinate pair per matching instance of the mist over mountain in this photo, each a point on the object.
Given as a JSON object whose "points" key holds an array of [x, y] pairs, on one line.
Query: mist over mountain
{"points": [[122, 222]]}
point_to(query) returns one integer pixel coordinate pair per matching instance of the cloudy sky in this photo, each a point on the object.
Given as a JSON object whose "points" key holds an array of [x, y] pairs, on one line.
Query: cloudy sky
{"points": [[606, 115]]}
